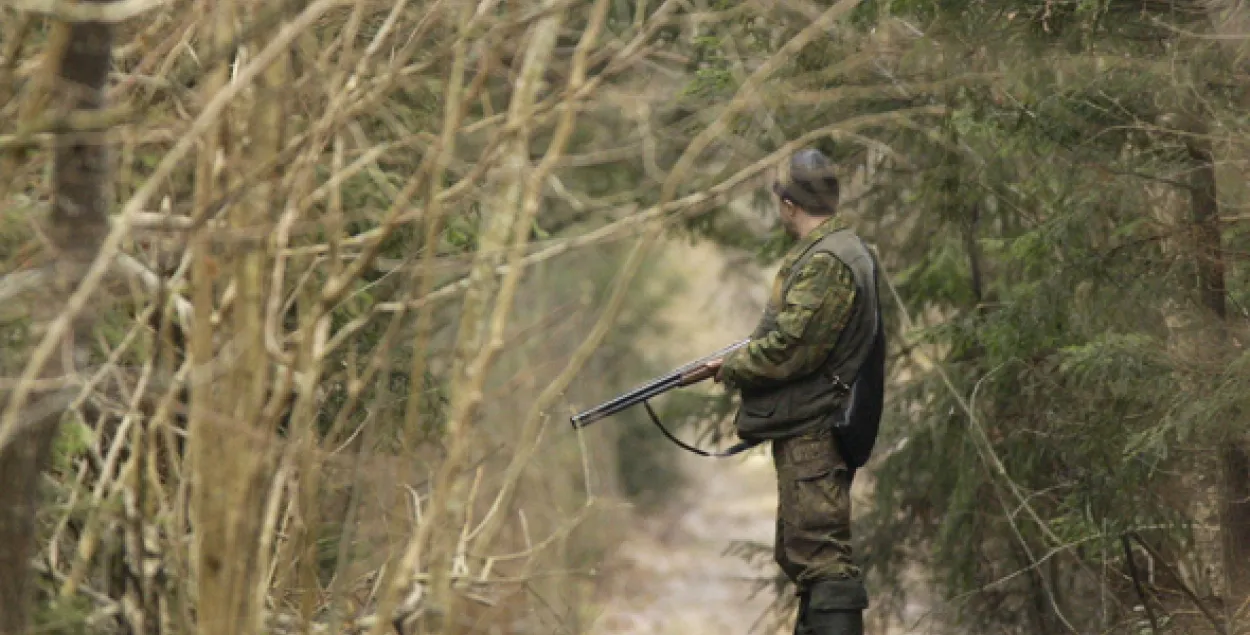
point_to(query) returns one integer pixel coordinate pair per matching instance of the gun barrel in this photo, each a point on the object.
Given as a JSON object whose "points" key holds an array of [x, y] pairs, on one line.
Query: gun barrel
{"points": [[626, 400], [648, 390]]}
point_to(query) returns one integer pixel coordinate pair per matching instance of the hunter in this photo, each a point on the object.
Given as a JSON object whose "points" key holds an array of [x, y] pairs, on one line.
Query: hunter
{"points": [[818, 349]]}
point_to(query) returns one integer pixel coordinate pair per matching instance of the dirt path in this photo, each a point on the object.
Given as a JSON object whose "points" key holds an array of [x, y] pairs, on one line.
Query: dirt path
{"points": [[672, 576]]}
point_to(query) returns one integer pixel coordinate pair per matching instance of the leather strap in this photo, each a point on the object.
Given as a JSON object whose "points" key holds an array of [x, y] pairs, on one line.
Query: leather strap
{"points": [[738, 448]]}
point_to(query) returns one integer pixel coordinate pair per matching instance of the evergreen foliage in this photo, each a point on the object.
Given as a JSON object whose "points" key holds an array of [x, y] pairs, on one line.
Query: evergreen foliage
{"points": [[1042, 241], [1055, 188]]}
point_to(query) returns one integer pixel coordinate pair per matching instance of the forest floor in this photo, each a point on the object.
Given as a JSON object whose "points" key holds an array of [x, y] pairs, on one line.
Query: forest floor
{"points": [[672, 574]]}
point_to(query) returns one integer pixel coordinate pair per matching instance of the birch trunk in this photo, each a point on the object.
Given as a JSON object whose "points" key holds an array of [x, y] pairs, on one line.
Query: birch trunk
{"points": [[79, 60]]}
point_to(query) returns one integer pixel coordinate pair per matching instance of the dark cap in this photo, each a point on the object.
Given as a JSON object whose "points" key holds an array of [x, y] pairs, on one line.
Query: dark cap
{"points": [[808, 181]]}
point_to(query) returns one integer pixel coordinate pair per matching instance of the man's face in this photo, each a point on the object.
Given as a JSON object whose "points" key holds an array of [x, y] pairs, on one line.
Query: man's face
{"points": [[787, 213]]}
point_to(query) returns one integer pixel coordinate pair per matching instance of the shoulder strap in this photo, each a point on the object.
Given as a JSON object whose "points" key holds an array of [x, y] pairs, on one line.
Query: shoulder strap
{"points": [[850, 249], [847, 247]]}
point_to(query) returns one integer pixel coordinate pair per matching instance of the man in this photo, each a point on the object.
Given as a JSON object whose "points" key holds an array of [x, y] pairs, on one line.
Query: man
{"points": [[820, 329]]}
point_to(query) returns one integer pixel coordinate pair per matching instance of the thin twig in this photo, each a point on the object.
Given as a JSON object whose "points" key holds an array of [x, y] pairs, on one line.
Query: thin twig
{"points": [[1189, 593], [1137, 584]]}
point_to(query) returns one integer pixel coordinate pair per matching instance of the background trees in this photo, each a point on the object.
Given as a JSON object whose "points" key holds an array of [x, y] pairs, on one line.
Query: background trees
{"points": [[299, 295]]}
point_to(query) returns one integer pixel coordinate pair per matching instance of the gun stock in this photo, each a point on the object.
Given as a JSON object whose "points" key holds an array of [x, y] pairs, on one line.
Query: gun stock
{"points": [[685, 375]]}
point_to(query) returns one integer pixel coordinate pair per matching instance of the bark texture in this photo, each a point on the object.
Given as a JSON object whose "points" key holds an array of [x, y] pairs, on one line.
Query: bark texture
{"points": [[77, 69], [1234, 463]]}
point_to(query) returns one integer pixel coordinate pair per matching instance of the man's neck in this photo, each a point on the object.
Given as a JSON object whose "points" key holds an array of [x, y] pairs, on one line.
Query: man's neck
{"points": [[806, 224]]}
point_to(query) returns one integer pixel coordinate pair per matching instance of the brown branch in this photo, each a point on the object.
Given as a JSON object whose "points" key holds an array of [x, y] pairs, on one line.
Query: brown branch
{"points": [[1137, 584], [475, 341], [90, 281], [88, 10], [1189, 593], [530, 429]]}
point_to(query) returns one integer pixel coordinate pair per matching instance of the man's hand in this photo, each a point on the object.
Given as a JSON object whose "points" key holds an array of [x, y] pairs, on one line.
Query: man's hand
{"points": [[714, 367], [705, 371]]}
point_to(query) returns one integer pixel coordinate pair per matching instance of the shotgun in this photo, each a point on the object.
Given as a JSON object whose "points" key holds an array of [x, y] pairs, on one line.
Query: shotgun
{"points": [[685, 375]]}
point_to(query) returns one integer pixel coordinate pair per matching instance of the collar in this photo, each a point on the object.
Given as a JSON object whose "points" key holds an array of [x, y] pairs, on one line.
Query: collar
{"points": [[829, 226]]}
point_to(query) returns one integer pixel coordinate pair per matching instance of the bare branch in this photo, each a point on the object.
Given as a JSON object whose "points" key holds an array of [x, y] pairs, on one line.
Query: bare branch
{"points": [[77, 11]]}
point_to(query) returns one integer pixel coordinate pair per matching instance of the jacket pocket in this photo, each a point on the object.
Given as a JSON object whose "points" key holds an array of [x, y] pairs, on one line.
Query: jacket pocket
{"points": [[761, 405]]}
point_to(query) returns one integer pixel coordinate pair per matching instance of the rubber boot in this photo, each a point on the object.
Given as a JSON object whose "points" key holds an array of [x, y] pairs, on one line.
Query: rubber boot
{"points": [[832, 607], [830, 622]]}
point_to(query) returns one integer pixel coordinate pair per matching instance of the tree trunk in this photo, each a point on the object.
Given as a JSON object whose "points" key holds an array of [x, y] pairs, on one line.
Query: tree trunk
{"points": [[231, 435], [1195, 492], [79, 58], [1234, 465], [1228, 18]]}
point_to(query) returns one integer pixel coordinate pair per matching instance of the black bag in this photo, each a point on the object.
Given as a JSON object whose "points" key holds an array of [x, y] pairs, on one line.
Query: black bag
{"points": [[857, 427]]}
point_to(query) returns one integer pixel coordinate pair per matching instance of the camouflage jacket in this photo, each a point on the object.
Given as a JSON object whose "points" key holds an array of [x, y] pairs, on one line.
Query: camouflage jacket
{"points": [[810, 316]]}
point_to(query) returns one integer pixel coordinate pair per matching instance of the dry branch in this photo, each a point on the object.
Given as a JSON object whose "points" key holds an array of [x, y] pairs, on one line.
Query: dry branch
{"points": [[313, 160], [87, 11], [473, 352]]}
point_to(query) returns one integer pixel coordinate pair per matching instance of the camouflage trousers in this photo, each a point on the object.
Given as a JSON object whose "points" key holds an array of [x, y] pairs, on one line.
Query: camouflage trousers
{"points": [[813, 541]]}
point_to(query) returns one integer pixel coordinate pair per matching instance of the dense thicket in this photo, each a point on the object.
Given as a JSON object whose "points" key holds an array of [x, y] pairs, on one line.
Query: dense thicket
{"points": [[362, 257]]}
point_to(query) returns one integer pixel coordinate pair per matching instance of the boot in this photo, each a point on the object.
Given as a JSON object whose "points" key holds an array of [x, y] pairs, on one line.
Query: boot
{"points": [[830, 622], [832, 607]]}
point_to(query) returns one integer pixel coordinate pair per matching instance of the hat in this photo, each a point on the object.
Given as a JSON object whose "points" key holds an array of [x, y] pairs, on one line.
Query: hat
{"points": [[807, 180]]}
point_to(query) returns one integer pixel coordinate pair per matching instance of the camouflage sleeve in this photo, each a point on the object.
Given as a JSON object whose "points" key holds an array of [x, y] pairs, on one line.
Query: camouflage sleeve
{"points": [[814, 311]]}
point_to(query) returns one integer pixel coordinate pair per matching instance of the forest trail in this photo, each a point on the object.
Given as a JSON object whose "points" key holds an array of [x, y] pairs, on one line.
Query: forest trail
{"points": [[671, 575]]}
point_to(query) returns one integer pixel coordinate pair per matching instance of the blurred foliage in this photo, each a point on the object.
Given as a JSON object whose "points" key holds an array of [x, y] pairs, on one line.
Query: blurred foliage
{"points": [[1038, 237], [1030, 239]]}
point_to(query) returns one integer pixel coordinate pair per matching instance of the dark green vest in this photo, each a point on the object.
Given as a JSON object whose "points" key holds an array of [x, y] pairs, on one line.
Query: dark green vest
{"points": [[820, 397]]}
